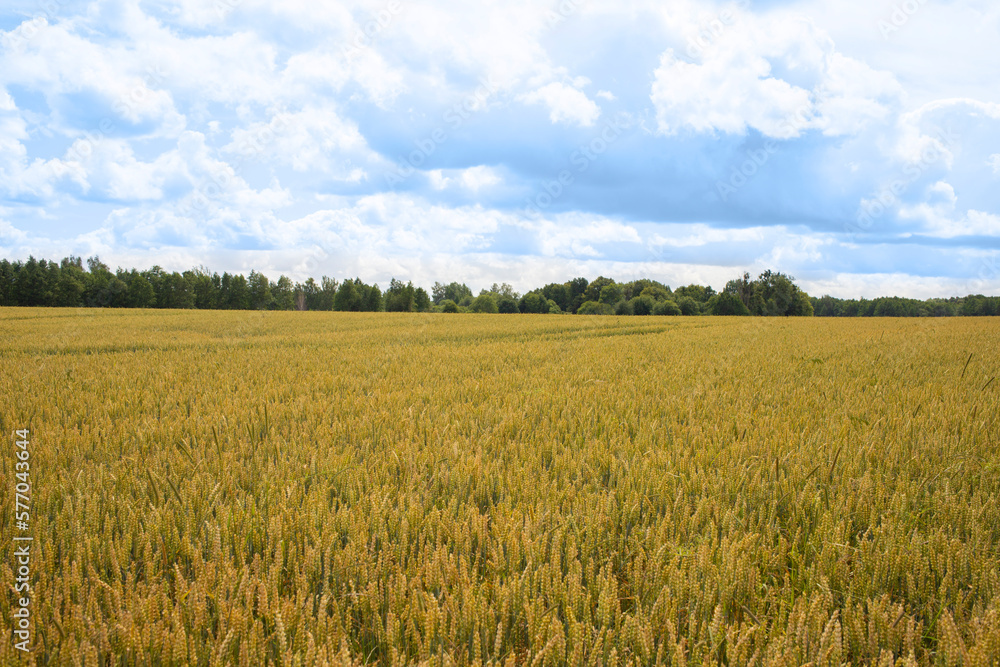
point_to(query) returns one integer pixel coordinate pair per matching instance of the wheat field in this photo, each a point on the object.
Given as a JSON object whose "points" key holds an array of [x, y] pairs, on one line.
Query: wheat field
{"points": [[295, 488]]}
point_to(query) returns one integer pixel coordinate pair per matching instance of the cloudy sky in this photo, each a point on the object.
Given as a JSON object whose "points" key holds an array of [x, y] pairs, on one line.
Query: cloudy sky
{"points": [[853, 144]]}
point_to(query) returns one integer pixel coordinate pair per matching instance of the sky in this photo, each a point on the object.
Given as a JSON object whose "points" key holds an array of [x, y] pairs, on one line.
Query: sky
{"points": [[853, 145]]}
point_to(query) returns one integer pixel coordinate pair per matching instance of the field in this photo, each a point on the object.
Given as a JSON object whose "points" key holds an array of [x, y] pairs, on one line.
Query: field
{"points": [[322, 488]]}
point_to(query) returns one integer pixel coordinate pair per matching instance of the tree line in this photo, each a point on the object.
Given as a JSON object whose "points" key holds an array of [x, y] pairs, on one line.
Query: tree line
{"points": [[970, 306], [72, 283]]}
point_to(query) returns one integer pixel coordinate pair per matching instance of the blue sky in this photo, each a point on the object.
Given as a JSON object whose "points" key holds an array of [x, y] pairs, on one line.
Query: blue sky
{"points": [[854, 145]]}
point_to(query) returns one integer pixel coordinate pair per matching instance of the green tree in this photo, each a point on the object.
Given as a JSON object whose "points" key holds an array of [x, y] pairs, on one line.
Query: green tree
{"points": [[500, 290], [348, 298], [742, 287], [371, 297], [30, 287], [637, 287], [328, 293], [72, 283], [699, 293], [7, 277], [400, 297], [308, 295], [260, 291], [103, 289], [577, 290], [688, 306], [656, 293], [775, 294], [593, 291], [727, 303], [611, 293], [802, 306], [507, 305], [642, 305], [140, 292], [827, 306], [457, 292], [975, 305], [533, 302], [421, 300], [234, 292], [484, 303], [175, 292], [667, 307], [205, 287], [594, 308], [560, 294], [283, 294]]}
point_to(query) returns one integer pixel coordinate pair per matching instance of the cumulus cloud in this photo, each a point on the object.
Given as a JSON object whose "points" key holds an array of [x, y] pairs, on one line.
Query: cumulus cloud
{"points": [[566, 104], [10, 235], [940, 224], [472, 179], [92, 87], [779, 77], [686, 236], [313, 139]]}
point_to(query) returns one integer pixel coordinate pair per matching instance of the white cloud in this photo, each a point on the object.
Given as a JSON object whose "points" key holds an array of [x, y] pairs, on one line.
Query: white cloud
{"points": [[472, 179], [994, 163], [314, 139], [847, 285], [720, 97], [565, 103], [938, 128], [689, 236], [937, 213], [6, 101], [10, 236], [109, 168], [477, 178], [780, 77], [20, 176], [581, 236], [980, 222], [852, 96], [973, 223], [105, 83], [942, 196], [438, 180]]}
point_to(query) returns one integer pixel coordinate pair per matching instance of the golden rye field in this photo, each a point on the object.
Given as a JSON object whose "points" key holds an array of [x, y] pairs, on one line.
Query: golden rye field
{"points": [[320, 488]]}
